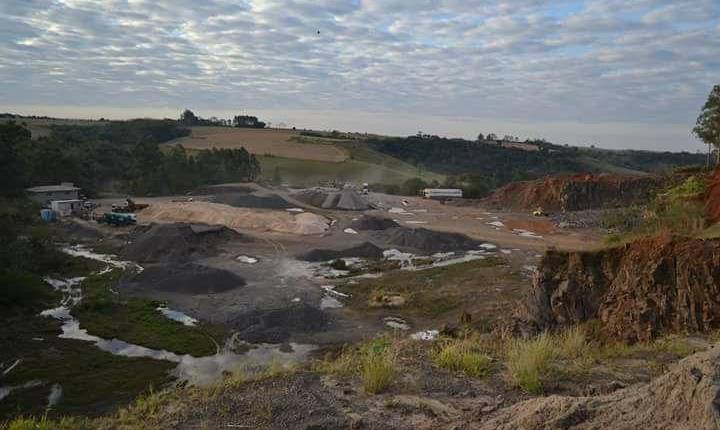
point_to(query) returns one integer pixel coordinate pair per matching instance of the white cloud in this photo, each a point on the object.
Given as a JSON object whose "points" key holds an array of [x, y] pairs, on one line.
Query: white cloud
{"points": [[511, 62]]}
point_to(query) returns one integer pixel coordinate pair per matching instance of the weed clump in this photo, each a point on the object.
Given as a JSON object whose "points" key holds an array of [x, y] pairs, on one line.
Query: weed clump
{"points": [[528, 360], [461, 356]]}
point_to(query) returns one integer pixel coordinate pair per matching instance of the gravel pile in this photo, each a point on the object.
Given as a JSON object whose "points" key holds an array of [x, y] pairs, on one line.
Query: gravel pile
{"points": [[183, 279], [364, 250], [279, 325], [179, 242], [427, 241], [371, 223]]}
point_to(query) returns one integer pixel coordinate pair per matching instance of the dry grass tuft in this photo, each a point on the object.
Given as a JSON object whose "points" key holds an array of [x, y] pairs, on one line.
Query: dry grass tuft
{"points": [[463, 356]]}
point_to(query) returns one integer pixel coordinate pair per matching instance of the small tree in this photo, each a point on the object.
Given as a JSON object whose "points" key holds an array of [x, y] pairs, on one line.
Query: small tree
{"points": [[707, 126], [480, 137]]}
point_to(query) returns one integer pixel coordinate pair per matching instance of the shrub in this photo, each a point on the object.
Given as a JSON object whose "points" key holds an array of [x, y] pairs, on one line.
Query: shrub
{"points": [[459, 356], [528, 361]]}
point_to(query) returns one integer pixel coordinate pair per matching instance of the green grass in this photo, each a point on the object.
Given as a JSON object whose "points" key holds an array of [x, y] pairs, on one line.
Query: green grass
{"points": [[431, 292], [377, 370], [364, 165], [460, 355], [137, 321], [528, 361]]}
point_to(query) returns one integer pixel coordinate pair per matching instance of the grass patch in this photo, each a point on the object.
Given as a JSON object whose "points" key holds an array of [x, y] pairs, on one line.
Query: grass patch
{"points": [[137, 321], [377, 370], [528, 360], [461, 355], [428, 293], [373, 361]]}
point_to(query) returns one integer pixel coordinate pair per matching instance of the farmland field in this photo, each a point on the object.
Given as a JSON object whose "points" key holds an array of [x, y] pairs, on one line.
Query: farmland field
{"points": [[278, 143]]}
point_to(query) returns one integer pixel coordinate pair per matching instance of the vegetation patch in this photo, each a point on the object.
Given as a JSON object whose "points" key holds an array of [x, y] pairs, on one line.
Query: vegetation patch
{"points": [[137, 321], [463, 355]]}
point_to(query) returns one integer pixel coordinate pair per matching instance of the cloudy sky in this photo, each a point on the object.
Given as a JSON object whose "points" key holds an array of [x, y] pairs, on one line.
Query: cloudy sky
{"points": [[615, 73]]}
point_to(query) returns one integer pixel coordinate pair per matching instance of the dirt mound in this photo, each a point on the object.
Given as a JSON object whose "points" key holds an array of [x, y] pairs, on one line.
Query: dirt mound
{"points": [[235, 218], [364, 250], [426, 240], [279, 325], [371, 223], [638, 291], [184, 279], [347, 199], [243, 200], [713, 198], [684, 398], [177, 242], [572, 193]]}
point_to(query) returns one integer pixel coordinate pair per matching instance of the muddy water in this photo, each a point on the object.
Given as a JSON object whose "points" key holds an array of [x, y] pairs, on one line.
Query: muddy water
{"points": [[232, 357]]}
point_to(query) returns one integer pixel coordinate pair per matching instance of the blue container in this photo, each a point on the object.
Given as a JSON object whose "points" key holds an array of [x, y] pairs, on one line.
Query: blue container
{"points": [[47, 215]]}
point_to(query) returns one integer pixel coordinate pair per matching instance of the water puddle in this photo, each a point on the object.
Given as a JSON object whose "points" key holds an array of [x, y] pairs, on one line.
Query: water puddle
{"points": [[178, 316], [235, 355], [426, 335]]}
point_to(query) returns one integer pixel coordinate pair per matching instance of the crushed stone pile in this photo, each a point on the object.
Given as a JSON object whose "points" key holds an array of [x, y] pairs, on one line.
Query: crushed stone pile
{"points": [[346, 199], [177, 242], [279, 325], [364, 250], [638, 291], [182, 279], [235, 218], [372, 223], [244, 200], [685, 398], [572, 193], [425, 240]]}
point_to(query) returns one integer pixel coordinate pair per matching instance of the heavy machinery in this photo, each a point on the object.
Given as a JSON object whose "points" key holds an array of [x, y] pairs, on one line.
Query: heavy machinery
{"points": [[118, 219], [129, 207]]}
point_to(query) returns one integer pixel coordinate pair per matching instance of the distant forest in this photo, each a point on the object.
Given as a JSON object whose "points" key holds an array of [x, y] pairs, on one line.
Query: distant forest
{"points": [[490, 165], [121, 155]]}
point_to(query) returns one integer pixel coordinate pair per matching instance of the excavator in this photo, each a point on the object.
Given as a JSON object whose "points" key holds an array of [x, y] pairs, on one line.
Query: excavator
{"points": [[129, 207]]}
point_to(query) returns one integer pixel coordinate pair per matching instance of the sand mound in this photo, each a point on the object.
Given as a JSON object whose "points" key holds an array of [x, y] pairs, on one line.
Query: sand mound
{"points": [[234, 218], [184, 279], [364, 250], [367, 222], [572, 193], [685, 398], [346, 199], [279, 325], [424, 240], [638, 291], [177, 242]]}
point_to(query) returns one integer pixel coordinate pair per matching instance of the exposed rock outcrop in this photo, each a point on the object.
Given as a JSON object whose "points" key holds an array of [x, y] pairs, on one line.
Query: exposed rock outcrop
{"points": [[685, 398], [572, 193], [638, 291]]}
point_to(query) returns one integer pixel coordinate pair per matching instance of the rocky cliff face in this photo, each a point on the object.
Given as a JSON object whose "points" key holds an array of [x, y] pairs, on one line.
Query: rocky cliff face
{"points": [[687, 398], [578, 192], [638, 291]]}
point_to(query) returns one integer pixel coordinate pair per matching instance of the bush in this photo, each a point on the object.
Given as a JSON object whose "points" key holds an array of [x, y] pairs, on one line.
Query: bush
{"points": [[460, 356], [20, 290], [528, 361]]}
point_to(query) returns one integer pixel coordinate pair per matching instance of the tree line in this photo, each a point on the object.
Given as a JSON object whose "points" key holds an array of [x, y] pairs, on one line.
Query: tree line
{"points": [[123, 156]]}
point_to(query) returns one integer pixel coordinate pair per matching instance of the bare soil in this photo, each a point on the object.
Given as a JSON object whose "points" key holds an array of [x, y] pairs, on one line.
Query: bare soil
{"points": [[278, 143]]}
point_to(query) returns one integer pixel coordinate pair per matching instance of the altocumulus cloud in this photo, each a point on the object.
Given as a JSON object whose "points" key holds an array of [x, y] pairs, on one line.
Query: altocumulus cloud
{"points": [[610, 72]]}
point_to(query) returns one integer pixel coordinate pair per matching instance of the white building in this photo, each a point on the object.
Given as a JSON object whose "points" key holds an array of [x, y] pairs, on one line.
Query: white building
{"points": [[442, 193], [66, 207], [47, 193]]}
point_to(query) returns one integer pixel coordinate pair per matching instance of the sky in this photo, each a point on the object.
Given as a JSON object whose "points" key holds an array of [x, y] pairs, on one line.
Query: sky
{"points": [[613, 73]]}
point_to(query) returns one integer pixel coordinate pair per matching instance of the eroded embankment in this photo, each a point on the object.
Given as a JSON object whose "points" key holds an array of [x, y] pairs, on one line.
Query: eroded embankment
{"points": [[637, 291], [572, 193]]}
